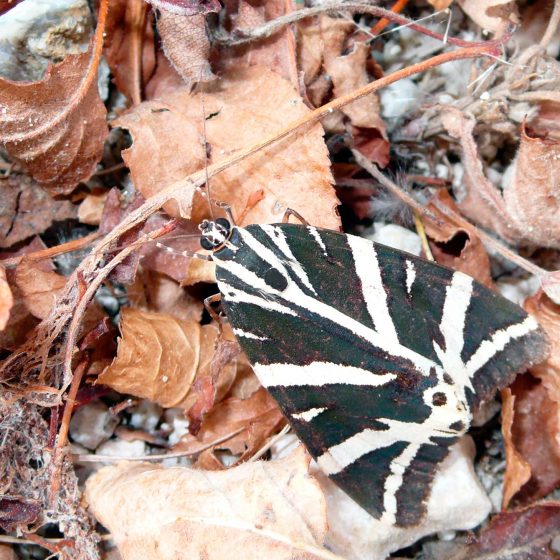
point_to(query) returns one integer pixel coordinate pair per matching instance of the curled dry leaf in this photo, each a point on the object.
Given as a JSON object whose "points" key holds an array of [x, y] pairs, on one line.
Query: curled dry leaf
{"points": [[455, 245], [6, 299], [259, 415], [129, 46], [516, 535], [253, 102], [55, 127], [91, 209], [518, 471], [492, 15], [157, 357], [38, 286], [271, 509], [26, 209]]}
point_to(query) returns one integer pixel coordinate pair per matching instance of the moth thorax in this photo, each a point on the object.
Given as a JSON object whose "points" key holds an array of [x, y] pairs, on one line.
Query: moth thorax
{"points": [[214, 233]]}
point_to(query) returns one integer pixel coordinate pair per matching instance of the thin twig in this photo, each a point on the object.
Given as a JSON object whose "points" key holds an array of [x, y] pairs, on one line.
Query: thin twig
{"points": [[92, 458], [421, 231], [68, 247], [241, 36], [396, 8], [270, 443]]}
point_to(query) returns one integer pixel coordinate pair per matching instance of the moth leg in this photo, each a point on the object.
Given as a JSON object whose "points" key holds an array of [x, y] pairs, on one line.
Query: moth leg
{"points": [[229, 213], [208, 304], [289, 212]]}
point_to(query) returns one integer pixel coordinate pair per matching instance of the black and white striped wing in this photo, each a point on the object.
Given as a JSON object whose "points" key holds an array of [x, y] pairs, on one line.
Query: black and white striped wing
{"points": [[378, 358]]}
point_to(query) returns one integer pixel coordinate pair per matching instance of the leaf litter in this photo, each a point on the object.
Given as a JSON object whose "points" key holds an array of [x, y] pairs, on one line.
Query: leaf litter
{"points": [[200, 105]]}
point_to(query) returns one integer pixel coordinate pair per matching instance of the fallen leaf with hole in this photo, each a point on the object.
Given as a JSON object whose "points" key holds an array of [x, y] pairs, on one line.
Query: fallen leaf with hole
{"points": [[39, 286], [525, 534], [55, 127], [267, 509], [454, 244], [241, 109], [27, 210], [6, 299], [259, 415]]}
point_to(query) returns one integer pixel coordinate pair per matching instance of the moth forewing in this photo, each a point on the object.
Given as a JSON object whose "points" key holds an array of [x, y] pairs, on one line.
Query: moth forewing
{"points": [[377, 357]]}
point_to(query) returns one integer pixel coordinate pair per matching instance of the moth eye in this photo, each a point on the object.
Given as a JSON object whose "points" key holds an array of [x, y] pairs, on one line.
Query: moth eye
{"points": [[275, 279]]}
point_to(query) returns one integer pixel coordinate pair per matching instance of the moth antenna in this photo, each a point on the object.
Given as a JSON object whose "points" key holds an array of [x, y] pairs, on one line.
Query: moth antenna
{"points": [[204, 137]]}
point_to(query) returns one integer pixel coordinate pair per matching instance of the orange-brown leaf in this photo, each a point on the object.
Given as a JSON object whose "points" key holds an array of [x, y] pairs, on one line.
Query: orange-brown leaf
{"points": [[157, 357], [6, 299], [55, 127]]}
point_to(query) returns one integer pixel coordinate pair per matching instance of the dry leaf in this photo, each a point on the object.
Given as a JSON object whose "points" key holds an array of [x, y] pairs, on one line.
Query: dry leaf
{"points": [[27, 210], [91, 208], [254, 103], [6, 299], [39, 287], [535, 431], [455, 245], [157, 357], [186, 45], [55, 127], [440, 4], [7, 552], [277, 52], [129, 46], [259, 415], [273, 510], [531, 195], [526, 534], [518, 471], [492, 15]]}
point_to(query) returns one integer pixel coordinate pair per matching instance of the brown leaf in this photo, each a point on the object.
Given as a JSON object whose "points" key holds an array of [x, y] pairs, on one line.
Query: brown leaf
{"points": [[129, 46], [91, 209], [55, 127], [531, 196], [186, 44], [6, 551], [267, 509], [535, 431], [454, 244], [157, 357], [27, 210], [259, 415], [277, 53], [254, 103], [6, 299], [518, 471], [39, 288], [525, 534], [532, 178], [440, 4], [491, 15]]}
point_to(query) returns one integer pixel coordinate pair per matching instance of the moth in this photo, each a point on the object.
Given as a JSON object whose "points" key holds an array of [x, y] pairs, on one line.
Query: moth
{"points": [[378, 358]]}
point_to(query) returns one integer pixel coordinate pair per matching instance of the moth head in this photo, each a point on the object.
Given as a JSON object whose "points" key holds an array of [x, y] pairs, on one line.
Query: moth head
{"points": [[214, 233]]}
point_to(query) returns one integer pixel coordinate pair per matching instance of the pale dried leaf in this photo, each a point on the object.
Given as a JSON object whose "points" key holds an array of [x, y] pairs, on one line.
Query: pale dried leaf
{"points": [[7, 552], [90, 210], [6, 299], [518, 471], [273, 510], [55, 127], [186, 45], [39, 288], [246, 107], [440, 4], [531, 196], [157, 357], [492, 15]]}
